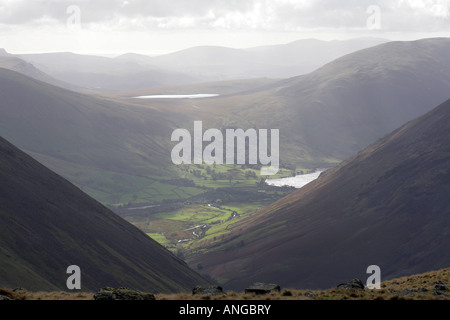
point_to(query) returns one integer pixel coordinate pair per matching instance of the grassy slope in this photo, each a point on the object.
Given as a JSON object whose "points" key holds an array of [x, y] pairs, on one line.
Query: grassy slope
{"points": [[301, 107], [116, 152], [412, 287], [330, 114], [47, 224], [213, 207], [103, 74], [111, 149], [16, 64], [388, 206], [115, 148]]}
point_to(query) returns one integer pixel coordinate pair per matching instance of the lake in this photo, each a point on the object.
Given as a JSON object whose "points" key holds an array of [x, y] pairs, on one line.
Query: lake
{"points": [[178, 96], [297, 181]]}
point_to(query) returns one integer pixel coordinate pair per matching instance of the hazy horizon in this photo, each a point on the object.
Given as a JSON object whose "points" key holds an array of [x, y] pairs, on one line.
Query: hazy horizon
{"points": [[117, 54], [159, 27]]}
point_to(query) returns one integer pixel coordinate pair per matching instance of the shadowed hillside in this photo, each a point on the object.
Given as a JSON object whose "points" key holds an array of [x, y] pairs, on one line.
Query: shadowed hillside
{"points": [[103, 73], [387, 206], [108, 148], [274, 61], [120, 151], [431, 285], [13, 63], [335, 111], [48, 224]]}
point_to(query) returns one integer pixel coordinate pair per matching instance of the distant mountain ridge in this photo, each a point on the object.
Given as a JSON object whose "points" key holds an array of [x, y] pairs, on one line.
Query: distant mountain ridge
{"points": [[108, 148], [104, 73], [194, 65], [13, 63], [329, 114], [48, 224], [276, 61], [387, 206], [4, 53], [323, 117]]}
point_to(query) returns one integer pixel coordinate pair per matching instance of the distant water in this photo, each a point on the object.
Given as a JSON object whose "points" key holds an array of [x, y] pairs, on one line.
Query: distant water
{"points": [[297, 181], [179, 96]]}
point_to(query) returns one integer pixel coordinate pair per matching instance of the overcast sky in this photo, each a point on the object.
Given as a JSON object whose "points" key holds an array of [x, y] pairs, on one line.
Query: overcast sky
{"points": [[161, 26]]}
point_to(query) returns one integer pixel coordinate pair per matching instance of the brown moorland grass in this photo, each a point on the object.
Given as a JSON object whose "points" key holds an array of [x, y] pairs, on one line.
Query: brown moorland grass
{"points": [[415, 287]]}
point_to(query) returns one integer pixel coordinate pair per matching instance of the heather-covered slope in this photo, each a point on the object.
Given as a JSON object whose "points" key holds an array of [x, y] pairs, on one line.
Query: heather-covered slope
{"points": [[389, 205], [48, 224]]}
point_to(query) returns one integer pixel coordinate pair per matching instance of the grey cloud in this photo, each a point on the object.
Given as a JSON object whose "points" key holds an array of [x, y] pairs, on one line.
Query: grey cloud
{"points": [[324, 14], [21, 11], [399, 15], [164, 8]]}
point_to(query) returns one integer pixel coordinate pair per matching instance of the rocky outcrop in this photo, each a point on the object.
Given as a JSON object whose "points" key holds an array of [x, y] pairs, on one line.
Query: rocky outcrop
{"points": [[439, 285], [352, 284], [122, 293], [263, 288], [210, 291]]}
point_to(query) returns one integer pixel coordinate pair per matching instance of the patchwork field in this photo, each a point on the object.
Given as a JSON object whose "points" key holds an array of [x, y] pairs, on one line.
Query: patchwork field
{"points": [[202, 205]]}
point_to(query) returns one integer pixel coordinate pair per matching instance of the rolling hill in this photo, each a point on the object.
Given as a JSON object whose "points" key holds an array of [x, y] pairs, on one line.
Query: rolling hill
{"points": [[323, 117], [48, 224], [388, 206], [199, 64], [118, 149], [108, 148], [279, 61], [13, 63], [330, 114], [426, 286], [116, 152], [104, 73]]}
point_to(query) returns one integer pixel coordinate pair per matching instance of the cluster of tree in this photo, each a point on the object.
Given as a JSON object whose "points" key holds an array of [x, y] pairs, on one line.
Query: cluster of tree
{"points": [[198, 174], [242, 194], [182, 182], [235, 173], [220, 175], [250, 174]]}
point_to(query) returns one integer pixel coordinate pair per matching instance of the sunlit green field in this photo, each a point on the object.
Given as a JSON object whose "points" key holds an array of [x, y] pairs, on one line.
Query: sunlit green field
{"points": [[210, 200], [175, 230]]}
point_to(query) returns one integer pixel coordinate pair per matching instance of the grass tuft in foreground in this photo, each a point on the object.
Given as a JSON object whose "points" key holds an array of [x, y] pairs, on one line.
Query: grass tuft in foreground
{"points": [[433, 285]]}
